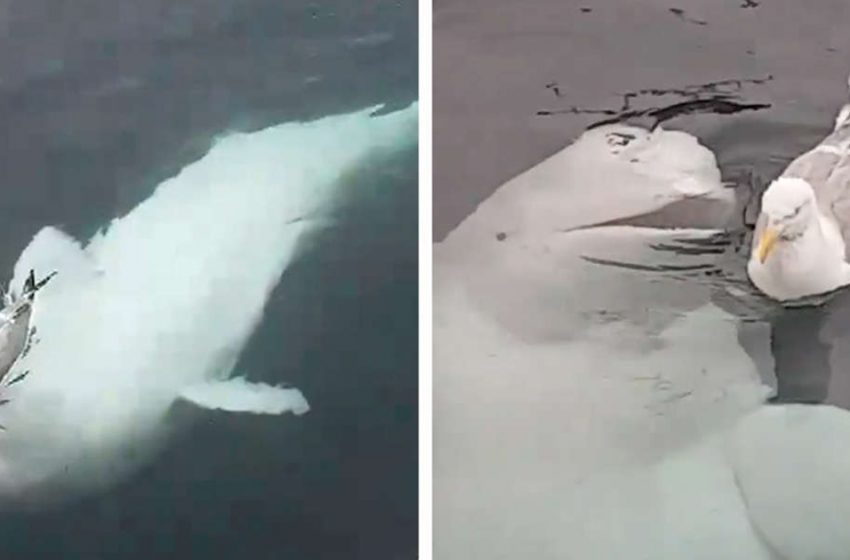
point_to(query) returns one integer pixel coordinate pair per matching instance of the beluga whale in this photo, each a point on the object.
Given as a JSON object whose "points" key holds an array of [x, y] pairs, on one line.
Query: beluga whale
{"points": [[155, 308]]}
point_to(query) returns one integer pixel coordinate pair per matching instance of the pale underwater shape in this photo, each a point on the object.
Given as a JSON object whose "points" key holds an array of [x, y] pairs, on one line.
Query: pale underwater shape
{"points": [[643, 171], [165, 299], [590, 411], [238, 395]]}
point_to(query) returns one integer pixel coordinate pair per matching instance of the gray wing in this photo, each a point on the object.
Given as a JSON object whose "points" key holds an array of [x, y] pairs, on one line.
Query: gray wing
{"points": [[837, 193], [827, 169], [818, 164], [815, 167]]}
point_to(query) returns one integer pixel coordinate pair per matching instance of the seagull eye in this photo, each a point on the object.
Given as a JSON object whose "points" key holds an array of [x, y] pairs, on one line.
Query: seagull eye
{"points": [[793, 214]]}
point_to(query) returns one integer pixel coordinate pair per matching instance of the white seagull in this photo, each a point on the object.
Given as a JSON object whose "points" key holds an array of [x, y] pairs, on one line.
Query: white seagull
{"points": [[800, 244]]}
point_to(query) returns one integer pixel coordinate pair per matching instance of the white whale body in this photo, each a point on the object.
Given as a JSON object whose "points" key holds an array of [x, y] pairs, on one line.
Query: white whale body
{"points": [[157, 307]]}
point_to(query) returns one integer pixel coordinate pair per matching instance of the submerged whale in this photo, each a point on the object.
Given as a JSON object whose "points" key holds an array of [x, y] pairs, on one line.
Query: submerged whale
{"points": [[157, 306]]}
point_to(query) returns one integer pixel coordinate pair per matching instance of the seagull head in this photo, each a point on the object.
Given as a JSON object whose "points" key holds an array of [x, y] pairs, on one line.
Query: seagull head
{"points": [[788, 208]]}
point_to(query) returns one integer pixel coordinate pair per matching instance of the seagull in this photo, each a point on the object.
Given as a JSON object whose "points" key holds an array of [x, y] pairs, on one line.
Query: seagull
{"points": [[800, 242]]}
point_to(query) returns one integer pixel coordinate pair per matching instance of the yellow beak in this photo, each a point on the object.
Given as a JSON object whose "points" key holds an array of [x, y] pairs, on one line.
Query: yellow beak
{"points": [[766, 244]]}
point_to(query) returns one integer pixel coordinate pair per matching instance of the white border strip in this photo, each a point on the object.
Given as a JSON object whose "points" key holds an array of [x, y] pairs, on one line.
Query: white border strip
{"points": [[425, 278]]}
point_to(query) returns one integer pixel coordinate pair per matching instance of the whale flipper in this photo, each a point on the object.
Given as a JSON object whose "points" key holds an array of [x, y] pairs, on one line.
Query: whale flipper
{"points": [[239, 395]]}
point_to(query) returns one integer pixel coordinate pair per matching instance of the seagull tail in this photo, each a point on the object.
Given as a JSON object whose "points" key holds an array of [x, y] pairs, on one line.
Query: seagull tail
{"points": [[844, 113], [843, 117]]}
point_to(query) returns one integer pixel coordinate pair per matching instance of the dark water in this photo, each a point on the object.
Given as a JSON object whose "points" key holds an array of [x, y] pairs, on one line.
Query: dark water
{"points": [[103, 100], [498, 64]]}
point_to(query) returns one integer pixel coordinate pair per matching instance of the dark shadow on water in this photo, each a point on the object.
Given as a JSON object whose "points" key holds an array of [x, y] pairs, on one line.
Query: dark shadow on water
{"points": [[802, 359], [721, 97], [811, 347]]}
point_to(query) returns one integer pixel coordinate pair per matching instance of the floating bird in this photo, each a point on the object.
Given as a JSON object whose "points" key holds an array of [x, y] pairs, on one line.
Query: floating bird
{"points": [[800, 244]]}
